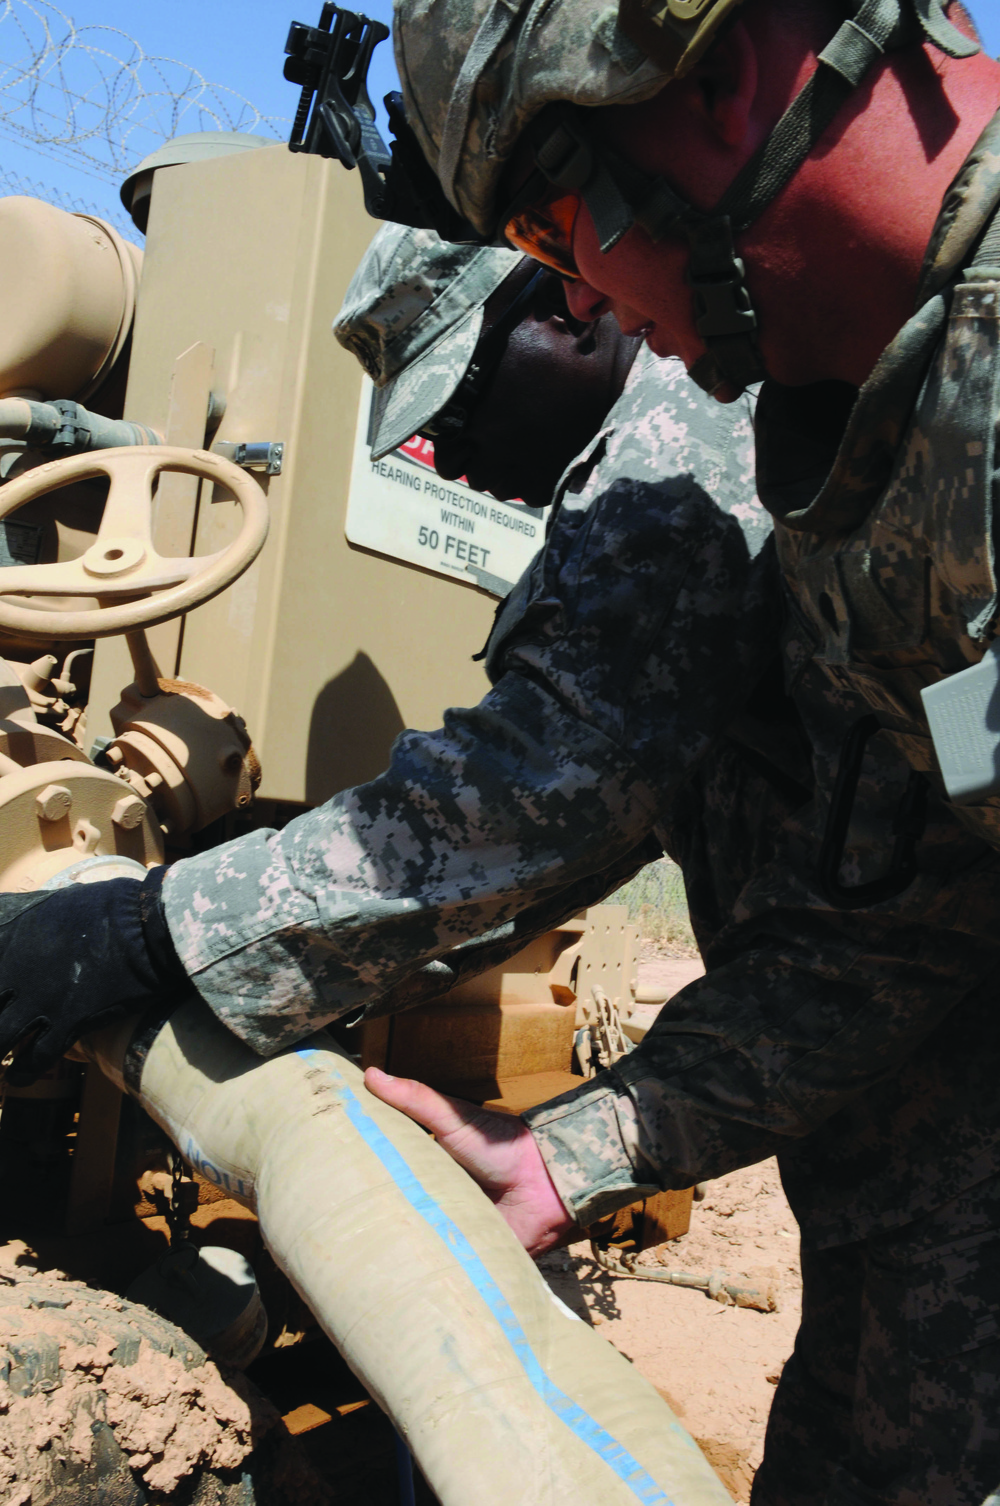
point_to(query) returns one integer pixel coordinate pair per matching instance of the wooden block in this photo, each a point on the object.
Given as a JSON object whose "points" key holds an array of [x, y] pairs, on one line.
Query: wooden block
{"points": [[513, 1021], [666, 1216], [347, 1407], [375, 1036], [93, 1174], [527, 976], [305, 1418], [645, 1224], [520, 1093], [454, 1046]]}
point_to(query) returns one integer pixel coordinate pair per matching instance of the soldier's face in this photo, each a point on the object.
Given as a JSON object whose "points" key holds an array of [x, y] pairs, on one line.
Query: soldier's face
{"points": [[547, 398], [645, 288], [642, 284], [695, 135], [645, 283]]}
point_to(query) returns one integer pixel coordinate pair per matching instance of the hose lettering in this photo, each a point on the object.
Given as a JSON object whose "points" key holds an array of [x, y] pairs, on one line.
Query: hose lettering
{"points": [[212, 1173]]}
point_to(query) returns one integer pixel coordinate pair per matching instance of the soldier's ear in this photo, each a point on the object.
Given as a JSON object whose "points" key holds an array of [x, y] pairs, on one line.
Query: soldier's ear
{"points": [[727, 81]]}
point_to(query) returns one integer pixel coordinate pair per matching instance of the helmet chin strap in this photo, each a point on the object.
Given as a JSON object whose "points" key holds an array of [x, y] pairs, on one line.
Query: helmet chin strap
{"points": [[724, 314]]}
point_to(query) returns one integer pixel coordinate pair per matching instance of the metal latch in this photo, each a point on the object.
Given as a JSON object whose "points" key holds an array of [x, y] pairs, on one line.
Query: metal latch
{"points": [[262, 455]]}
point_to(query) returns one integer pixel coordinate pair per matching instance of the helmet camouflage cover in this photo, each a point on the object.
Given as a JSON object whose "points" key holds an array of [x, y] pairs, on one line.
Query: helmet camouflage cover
{"points": [[413, 315], [475, 72]]}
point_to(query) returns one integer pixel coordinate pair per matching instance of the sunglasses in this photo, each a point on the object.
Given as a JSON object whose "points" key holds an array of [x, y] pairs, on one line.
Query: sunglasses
{"points": [[572, 167], [543, 228]]}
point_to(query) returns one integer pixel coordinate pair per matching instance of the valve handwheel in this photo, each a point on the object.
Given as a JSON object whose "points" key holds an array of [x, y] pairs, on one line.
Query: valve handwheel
{"points": [[121, 562]]}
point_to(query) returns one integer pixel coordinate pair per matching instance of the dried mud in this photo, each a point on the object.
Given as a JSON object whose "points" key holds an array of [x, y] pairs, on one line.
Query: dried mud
{"points": [[168, 1417]]}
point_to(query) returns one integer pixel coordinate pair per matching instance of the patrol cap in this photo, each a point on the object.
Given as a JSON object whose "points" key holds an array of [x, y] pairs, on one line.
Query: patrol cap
{"points": [[413, 315], [475, 72]]}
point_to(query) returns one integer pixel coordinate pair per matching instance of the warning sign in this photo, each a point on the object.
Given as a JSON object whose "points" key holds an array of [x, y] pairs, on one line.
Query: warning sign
{"points": [[400, 507]]}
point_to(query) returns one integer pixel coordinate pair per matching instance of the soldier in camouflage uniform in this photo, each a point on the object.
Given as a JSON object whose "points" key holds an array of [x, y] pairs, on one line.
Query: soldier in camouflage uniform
{"points": [[860, 1044], [449, 334]]}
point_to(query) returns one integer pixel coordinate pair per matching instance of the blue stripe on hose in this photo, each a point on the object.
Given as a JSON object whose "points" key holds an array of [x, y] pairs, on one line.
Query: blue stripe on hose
{"points": [[614, 1454]]}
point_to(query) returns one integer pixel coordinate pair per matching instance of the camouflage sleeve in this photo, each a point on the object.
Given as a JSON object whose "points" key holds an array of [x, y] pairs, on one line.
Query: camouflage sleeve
{"points": [[811, 1011], [647, 618], [547, 910], [559, 773], [283, 932], [590, 1139]]}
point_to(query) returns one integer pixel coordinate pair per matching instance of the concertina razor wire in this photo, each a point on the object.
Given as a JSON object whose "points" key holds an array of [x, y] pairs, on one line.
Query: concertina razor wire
{"points": [[92, 99]]}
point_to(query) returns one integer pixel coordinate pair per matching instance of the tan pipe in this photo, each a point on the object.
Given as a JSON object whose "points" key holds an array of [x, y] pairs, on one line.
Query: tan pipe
{"points": [[15, 417], [501, 1393]]}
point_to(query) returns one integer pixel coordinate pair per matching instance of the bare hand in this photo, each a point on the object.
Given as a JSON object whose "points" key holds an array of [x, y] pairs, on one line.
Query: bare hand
{"points": [[497, 1150]]}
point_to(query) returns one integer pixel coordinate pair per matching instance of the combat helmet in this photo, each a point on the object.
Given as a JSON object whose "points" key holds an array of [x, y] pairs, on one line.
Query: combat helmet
{"points": [[480, 76]]}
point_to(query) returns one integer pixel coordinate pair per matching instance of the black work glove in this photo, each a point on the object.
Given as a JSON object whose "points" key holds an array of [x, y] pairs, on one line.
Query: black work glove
{"points": [[77, 958]]}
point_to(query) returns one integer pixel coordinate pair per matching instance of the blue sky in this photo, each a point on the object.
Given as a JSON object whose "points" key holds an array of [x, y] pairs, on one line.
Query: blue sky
{"points": [[236, 44]]}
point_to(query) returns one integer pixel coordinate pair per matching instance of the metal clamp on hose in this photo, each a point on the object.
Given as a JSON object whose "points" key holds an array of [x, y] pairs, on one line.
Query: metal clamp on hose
{"points": [[908, 825]]}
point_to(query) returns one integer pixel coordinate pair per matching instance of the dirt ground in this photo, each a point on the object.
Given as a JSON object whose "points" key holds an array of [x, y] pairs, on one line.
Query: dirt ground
{"points": [[716, 1365]]}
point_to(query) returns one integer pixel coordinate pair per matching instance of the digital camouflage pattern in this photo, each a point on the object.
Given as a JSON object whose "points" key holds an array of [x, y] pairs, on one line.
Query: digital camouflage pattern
{"points": [[412, 315], [892, 1390], [542, 798], [660, 413], [891, 561], [820, 1036], [823, 1036], [475, 72]]}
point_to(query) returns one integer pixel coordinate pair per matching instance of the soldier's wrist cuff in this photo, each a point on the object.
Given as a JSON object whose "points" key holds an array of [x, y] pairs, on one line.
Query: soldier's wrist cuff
{"points": [[589, 1140]]}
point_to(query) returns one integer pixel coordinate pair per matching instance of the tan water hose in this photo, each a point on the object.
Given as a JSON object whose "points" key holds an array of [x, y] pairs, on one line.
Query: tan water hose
{"points": [[502, 1394]]}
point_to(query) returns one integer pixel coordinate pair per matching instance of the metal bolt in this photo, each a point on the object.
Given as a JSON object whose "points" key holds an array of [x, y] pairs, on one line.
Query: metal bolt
{"points": [[113, 755], [129, 812], [54, 802]]}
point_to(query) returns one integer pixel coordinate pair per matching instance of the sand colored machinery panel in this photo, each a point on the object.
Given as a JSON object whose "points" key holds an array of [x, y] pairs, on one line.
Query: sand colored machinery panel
{"points": [[327, 651]]}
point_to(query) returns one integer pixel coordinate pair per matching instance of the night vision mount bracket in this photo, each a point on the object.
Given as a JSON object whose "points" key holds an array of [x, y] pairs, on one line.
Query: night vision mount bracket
{"points": [[336, 118]]}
